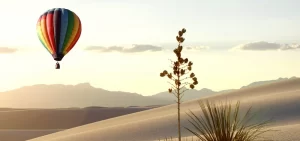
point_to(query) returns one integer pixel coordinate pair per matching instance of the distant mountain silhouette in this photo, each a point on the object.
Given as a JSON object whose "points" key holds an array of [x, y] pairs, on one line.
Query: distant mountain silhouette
{"points": [[84, 95], [266, 82], [65, 96], [188, 95], [194, 94]]}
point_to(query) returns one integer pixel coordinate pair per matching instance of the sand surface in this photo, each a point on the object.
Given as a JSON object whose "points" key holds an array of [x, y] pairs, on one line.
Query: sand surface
{"points": [[24, 124], [280, 101], [21, 135], [282, 133], [59, 118]]}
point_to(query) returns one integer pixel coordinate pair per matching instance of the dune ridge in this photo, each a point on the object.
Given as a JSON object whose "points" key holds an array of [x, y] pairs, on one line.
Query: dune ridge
{"points": [[280, 100]]}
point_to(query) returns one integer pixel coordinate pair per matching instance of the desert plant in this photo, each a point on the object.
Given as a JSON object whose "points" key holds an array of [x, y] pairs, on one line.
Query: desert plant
{"points": [[224, 123], [181, 73]]}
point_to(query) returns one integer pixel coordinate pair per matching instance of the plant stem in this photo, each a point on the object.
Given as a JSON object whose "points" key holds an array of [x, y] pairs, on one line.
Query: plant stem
{"points": [[179, 132], [178, 100]]}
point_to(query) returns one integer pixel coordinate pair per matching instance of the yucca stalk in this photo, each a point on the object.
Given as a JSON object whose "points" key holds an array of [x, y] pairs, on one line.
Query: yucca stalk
{"points": [[182, 71], [224, 123]]}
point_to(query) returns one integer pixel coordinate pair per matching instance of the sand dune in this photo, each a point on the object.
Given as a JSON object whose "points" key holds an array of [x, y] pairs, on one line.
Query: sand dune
{"points": [[59, 118], [280, 100], [24, 124]]}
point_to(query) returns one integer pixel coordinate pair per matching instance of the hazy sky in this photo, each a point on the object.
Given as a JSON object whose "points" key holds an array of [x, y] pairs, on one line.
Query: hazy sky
{"points": [[234, 42]]}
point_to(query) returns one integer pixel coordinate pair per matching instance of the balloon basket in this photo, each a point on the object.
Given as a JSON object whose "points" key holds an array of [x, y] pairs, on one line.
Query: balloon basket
{"points": [[57, 66]]}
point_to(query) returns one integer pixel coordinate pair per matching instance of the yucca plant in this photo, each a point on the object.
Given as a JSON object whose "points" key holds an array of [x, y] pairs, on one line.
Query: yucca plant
{"points": [[224, 122], [182, 71]]}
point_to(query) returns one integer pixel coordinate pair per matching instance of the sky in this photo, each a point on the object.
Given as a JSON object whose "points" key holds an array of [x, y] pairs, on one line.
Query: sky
{"points": [[125, 44]]}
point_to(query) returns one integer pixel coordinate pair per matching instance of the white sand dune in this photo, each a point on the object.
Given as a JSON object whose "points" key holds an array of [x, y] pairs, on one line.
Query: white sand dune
{"points": [[280, 100]]}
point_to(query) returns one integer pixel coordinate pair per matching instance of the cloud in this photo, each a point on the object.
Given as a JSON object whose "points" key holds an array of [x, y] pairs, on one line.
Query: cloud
{"points": [[289, 47], [197, 48], [133, 49], [6, 50], [264, 46]]}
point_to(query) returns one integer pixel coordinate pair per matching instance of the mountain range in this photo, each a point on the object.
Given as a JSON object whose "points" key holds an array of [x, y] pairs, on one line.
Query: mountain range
{"points": [[84, 95]]}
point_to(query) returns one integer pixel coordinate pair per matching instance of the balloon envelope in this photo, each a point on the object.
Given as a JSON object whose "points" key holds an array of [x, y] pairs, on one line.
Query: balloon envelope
{"points": [[58, 30]]}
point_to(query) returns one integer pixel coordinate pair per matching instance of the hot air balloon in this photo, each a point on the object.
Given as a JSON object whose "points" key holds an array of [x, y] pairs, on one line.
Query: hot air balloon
{"points": [[58, 29]]}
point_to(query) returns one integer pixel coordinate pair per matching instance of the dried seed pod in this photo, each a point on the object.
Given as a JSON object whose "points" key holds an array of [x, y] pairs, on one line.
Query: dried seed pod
{"points": [[170, 90], [175, 51], [183, 30], [189, 68], [192, 75], [179, 48], [162, 75], [178, 55], [182, 72], [181, 60], [170, 75], [190, 63], [194, 79], [186, 60], [177, 38], [195, 82], [174, 68], [192, 86], [182, 40], [180, 33], [165, 72]]}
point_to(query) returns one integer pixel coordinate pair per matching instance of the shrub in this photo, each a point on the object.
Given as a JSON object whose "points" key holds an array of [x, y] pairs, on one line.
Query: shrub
{"points": [[223, 123]]}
